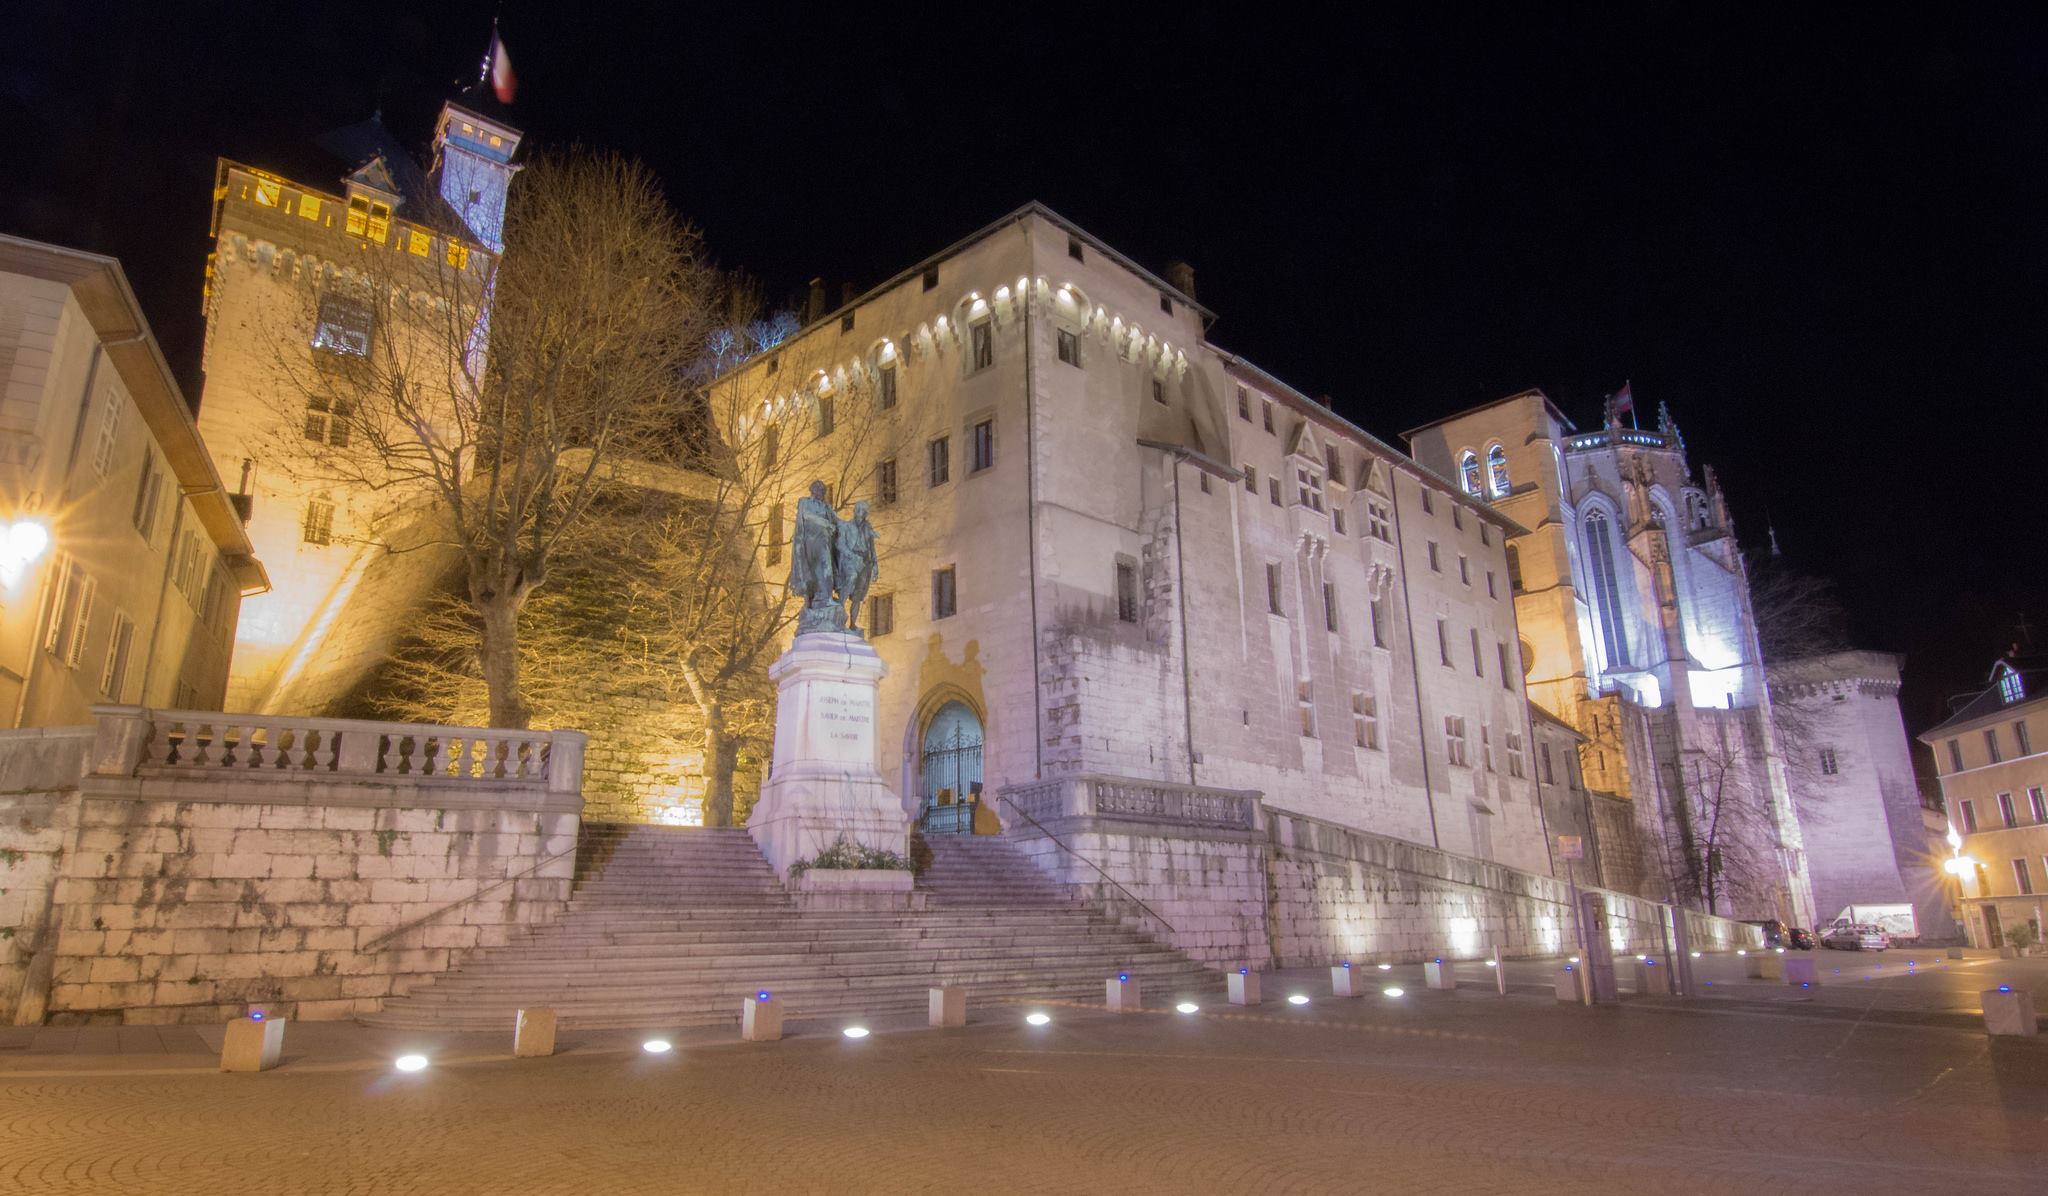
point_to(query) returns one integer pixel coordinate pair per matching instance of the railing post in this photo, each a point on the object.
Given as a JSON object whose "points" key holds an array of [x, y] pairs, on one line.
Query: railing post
{"points": [[359, 751], [120, 737], [565, 761]]}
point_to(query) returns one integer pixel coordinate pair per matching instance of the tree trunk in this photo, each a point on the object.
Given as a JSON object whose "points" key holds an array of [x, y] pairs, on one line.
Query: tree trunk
{"points": [[499, 652]]}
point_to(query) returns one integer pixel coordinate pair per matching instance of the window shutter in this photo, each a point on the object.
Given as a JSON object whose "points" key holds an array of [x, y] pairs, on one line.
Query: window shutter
{"points": [[75, 650]]}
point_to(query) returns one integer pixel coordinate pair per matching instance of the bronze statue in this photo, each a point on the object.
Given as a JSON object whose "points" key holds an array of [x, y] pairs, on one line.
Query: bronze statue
{"points": [[831, 564]]}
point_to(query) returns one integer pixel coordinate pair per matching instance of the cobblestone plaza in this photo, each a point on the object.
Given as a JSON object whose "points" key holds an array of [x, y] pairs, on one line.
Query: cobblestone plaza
{"points": [[1882, 1085]]}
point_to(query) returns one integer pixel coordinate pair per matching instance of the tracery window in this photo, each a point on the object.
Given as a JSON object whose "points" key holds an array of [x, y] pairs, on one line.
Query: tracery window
{"points": [[1497, 470], [1606, 589], [1468, 472]]}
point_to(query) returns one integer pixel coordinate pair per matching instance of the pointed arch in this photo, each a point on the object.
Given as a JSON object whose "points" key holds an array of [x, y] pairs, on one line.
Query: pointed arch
{"points": [[1497, 471], [1600, 565], [1468, 472]]}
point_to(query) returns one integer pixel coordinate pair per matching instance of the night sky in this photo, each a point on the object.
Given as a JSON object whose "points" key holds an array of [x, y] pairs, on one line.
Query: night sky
{"points": [[1820, 237]]}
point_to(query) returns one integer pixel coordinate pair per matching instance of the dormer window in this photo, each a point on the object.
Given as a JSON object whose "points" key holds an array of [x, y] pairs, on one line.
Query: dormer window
{"points": [[2010, 688], [370, 218]]}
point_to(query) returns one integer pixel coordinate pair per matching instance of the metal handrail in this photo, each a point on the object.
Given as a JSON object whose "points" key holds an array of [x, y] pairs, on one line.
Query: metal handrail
{"points": [[377, 944], [1044, 830]]}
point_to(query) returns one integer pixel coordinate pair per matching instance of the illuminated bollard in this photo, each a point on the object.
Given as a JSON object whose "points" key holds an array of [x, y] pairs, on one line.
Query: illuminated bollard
{"points": [[2009, 1010], [948, 1006], [761, 1019], [1244, 987], [1122, 995], [1802, 973], [1571, 984], [1345, 983], [252, 1044], [1652, 979], [1767, 965], [1440, 973], [533, 1035]]}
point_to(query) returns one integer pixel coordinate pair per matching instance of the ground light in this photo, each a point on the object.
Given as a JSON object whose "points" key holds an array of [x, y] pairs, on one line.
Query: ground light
{"points": [[655, 1046], [1297, 999], [855, 1031], [1492, 963], [1390, 992], [1695, 955], [1386, 967], [1188, 1007], [410, 1062], [1038, 1019]]}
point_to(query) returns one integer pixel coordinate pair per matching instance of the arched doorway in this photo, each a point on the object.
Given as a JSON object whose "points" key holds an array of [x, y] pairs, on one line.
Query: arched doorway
{"points": [[949, 770]]}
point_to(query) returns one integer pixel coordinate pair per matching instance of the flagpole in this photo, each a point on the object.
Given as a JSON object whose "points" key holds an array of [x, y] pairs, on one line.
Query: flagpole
{"points": [[1629, 385]]}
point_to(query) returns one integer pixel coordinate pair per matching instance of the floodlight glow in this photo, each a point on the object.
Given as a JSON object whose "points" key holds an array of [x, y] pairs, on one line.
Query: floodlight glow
{"points": [[855, 1031], [1347, 965], [1038, 1019], [655, 1046], [1390, 992], [1244, 971], [20, 544], [1742, 950], [1297, 999], [1695, 955], [1573, 959], [2005, 988], [1386, 967], [255, 1015], [762, 995], [1780, 950], [1123, 977], [410, 1062], [1188, 1007], [1492, 963]]}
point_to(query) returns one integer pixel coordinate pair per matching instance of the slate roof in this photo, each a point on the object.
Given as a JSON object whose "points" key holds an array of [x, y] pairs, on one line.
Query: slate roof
{"points": [[2033, 671], [361, 143]]}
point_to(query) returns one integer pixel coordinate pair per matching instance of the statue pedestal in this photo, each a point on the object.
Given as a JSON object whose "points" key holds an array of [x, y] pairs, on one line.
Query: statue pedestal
{"points": [[823, 784]]}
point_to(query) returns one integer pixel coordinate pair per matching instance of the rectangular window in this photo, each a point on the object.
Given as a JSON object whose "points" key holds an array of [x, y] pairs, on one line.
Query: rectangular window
{"points": [[1549, 772], [846, 322], [1376, 523], [115, 678], [938, 462], [1244, 405], [1203, 478], [188, 563], [1827, 762], [1273, 491], [827, 417], [885, 481], [1457, 519], [1126, 591], [71, 602], [881, 614], [1514, 744], [1251, 480], [1486, 746], [981, 445], [418, 243], [1365, 720], [1443, 643], [1069, 346], [1272, 589], [1955, 755], [458, 254], [318, 525], [771, 446], [944, 596], [328, 421], [887, 393], [931, 278], [1507, 675], [1464, 569], [1454, 739], [2005, 811], [1308, 489], [1478, 665], [1329, 607], [1305, 698], [775, 534], [1485, 537], [2023, 876], [1379, 625], [147, 491], [1490, 591], [1991, 745], [1165, 303], [1333, 463], [369, 218], [1969, 817], [1434, 563], [2039, 802], [1158, 391], [1337, 520], [982, 337], [110, 431], [2024, 740], [309, 207], [1267, 415], [1428, 503], [1074, 249]]}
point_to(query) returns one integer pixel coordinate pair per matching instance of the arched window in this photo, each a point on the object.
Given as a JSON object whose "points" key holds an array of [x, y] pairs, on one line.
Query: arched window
{"points": [[1497, 470], [1606, 589], [1468, 471]]}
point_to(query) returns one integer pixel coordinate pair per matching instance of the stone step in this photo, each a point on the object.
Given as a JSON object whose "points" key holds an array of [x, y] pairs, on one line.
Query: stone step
{"points": [[848, 963], [790, 988]]}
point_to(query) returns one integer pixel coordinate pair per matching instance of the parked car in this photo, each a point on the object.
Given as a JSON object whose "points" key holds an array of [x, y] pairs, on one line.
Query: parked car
{"points": [[1799, 938], [1855, 936], [1777, 934]]}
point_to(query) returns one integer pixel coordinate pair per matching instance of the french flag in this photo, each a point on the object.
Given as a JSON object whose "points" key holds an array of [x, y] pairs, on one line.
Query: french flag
{"points": [[498, 69]]}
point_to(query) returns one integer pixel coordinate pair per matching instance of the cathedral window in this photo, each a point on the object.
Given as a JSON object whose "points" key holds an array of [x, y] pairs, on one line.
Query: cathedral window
{"points": [[1069, 347], [1606, 590], [982, 339], [1468, 472], [1497, 470], [944, 597]]}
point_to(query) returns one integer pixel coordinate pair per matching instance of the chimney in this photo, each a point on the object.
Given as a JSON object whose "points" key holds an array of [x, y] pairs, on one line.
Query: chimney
{"points": [[1181, 277], [814, 303], [846, 293]]}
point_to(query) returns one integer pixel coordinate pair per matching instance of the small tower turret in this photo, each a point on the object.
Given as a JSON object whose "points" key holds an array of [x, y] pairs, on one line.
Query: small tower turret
{"points": [[473, 165]]}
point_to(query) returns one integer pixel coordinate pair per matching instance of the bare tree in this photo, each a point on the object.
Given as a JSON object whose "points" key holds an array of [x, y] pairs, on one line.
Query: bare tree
{"points": [[510, 396], [1723, 833]]}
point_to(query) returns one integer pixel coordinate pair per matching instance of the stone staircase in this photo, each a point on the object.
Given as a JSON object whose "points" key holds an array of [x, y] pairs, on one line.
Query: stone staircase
{"points": [[672, 927]]}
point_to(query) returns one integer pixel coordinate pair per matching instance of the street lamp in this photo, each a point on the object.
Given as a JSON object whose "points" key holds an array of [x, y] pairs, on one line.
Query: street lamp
{"points": [[21, 543]]}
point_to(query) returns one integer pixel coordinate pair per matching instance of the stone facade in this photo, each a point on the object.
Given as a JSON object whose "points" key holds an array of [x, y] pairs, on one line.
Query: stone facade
{"points": [[1992, 759], [172, 868], [1632, 601], [1874, 841]]}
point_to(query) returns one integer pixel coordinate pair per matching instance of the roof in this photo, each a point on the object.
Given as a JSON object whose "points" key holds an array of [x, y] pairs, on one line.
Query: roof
{"points": [[1399, 459], [1991, 701], [1544, 716], [1549, 406], [101, 290], [361, 143]]}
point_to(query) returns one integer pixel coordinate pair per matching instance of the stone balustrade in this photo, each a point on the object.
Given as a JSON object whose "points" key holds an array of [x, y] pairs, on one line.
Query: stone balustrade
{"points": [[1126, 799]]}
